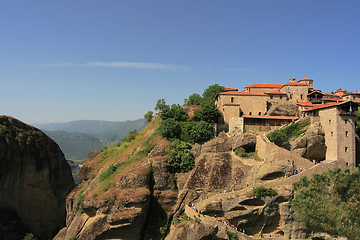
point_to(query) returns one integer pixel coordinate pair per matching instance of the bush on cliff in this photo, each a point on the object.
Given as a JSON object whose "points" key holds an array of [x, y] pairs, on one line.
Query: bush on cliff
{"points": [[330, 202], [180, 156], [262, 192], [192, 132]]}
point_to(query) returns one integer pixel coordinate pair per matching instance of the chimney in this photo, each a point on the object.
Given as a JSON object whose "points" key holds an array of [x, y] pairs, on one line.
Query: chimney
{"points": [[292, 79]]}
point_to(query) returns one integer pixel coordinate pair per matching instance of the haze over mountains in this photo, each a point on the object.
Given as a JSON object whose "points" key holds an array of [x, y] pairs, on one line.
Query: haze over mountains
{"points": [[77, 138]]}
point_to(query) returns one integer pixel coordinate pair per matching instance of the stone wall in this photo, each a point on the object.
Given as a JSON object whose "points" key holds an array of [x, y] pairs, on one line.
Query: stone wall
{"points": [[253, 105], [296, 93], [339, 136], [270, 152]]}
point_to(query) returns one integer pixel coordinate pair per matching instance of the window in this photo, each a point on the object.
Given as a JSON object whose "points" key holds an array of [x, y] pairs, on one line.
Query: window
{"points": [[232, 99], [347, 133], [301, 96], [259, 113], [332, 133], [346, 149], [271, 97], [249, 113], [329, 121], [280, 97], [346, 121]]}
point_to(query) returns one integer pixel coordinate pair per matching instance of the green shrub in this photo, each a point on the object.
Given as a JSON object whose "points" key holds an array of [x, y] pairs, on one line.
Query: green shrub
{"points": [[110, 171], [131, 136], [282, 137], [232, 235], [180, 156], [330, 202], [169, 129], [148, 116], [195, 132], [262, 192], [30, 236]]}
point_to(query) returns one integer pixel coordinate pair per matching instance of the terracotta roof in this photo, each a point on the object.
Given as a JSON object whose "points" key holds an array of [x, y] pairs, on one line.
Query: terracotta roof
{"points": [[305, 104], [357, 93], [232, 104], [305, 79], [275, 93], [313, 92], [241, 93], [321, 106], [231, 89], [295, 84], [270, 117], [264, 85]]}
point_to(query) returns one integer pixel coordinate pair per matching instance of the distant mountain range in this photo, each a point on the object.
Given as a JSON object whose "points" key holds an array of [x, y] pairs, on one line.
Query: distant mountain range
{"points": [[77, 138]]}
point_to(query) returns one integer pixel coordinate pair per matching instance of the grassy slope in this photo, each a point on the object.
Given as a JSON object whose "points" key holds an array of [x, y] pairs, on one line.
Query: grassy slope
{"points": [[124, 157]]}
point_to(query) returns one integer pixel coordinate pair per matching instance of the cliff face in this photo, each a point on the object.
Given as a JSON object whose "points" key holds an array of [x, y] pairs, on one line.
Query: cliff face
{"points": [[141, 198], [35, 179]]}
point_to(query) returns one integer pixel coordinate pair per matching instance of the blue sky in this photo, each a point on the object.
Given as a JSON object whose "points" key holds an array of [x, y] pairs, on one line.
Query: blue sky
{"points": [[113, 59]]}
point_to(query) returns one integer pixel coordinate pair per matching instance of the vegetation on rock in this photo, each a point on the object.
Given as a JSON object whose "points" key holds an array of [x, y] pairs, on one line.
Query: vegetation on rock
{"points": [[262, 192], [330, 202], [148, 116], [180, 156], [231, 235], [283, 136]]}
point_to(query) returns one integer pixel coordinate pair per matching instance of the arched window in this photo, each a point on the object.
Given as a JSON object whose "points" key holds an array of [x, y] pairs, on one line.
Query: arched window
{"points": [[250, 113], [301, 96], [259, 113], [232, 99]]}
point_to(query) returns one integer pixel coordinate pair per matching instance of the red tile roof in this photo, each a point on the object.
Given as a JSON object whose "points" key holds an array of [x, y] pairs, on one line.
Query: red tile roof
{"points": [[305, 104], [264, 85], [241, 93], [231, 89], [295, 84], [270, 117], [321, 106], [275, 93], [305, 79]]}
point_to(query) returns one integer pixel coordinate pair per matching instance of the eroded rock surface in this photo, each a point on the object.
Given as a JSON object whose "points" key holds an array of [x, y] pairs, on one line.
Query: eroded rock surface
{"points": [[312, 144], [282, 109], [34, 178]]}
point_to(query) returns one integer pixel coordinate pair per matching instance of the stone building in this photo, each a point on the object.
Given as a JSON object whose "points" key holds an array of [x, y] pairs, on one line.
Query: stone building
{"points": [[338, 122]]}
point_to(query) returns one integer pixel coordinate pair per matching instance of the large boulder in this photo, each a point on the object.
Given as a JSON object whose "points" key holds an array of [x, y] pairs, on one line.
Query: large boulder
{"points": [[283, 109], [35, 179], [312, 144]]}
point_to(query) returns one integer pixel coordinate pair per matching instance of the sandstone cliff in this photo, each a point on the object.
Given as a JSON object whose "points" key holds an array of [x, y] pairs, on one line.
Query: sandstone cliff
{"points": [[282, 109], [141, 199], [35, 179]]}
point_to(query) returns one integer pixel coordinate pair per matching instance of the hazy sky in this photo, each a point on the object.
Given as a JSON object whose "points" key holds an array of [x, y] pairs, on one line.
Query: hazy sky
{"points": [[66, 60]]}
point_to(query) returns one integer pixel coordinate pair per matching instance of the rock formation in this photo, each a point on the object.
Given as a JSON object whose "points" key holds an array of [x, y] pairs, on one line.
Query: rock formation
{"points": [[34, 178], [282, 109], [312, 144], [212, 201]]}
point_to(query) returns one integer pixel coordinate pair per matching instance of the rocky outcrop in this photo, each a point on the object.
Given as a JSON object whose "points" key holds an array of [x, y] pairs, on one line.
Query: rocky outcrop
{"points": [[282, 109], [35, 179], [140, 200], [245, 140], [216, 194], [312, 144]]}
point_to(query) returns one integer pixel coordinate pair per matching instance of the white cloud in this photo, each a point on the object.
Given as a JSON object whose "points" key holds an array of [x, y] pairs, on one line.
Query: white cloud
{"points": [[140, 65]]}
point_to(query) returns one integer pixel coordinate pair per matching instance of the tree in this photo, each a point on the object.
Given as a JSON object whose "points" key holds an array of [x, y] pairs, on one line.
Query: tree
{"points": [[160, 105], [169, 129], [279, 138], [210, 93], [209, 113], [148, 116], [194, 99], [330, 202], [180, 156], [131, 136], [175, 112]]}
